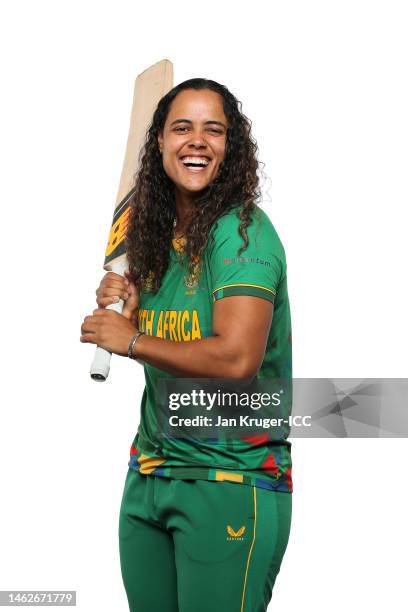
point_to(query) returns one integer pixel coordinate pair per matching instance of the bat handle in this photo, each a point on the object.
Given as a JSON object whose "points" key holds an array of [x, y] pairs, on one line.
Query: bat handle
{"points": [[101, 362]]}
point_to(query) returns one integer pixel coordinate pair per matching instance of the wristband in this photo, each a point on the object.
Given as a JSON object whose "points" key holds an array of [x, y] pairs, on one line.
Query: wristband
{"points": [[132, 346]]}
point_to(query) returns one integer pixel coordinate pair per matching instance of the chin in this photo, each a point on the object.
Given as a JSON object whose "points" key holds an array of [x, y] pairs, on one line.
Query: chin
{"points": [[193, 189]]}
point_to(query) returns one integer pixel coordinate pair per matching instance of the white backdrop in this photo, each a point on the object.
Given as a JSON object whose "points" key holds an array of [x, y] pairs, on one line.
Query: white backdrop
{"points": [[325, 86]]}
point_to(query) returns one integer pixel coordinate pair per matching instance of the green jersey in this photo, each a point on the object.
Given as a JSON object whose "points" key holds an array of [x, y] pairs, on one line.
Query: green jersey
{"points": [[181, 311]]}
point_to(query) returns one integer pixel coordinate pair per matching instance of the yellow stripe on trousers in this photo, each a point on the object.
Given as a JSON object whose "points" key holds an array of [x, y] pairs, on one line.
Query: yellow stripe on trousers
{"points": [[250, 553]]}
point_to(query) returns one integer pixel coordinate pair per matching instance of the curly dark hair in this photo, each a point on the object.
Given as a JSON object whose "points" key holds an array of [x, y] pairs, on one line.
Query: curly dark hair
{"points": [[153, 209]]}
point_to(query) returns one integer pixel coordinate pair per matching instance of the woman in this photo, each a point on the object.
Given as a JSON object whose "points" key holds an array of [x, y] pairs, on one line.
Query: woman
{"points": [[203, 524]]}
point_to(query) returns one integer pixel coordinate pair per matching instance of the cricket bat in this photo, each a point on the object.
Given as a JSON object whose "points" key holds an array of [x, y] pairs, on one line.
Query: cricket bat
{"points": [[150, 86]]}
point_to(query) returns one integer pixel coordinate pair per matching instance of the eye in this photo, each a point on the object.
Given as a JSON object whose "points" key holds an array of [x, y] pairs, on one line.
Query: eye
{"points": [[215, 131], [181, 129]]}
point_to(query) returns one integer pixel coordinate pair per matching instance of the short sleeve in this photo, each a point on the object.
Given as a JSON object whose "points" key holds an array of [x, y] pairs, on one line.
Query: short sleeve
{"points": [[259, 269]]}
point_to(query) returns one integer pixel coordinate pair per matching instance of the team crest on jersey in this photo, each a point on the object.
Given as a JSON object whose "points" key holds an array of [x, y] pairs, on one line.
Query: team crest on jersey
{"points": [[235, 535], [191, 279], [148, 283]]}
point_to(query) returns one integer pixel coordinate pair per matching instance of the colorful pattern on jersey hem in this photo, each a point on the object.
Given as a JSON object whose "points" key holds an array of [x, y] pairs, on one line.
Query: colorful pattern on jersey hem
{"points": [[146, 465]]}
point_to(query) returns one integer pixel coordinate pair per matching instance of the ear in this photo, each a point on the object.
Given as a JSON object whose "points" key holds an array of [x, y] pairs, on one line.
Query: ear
{"points": [[160, 140]]}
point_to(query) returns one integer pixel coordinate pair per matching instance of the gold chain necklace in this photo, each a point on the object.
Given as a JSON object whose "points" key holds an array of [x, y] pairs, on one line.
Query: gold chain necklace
{"points": [[178, 243]]}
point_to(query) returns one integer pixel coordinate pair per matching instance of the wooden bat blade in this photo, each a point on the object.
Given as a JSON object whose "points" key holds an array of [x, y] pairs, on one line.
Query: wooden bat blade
{"points": [[151, 85]]}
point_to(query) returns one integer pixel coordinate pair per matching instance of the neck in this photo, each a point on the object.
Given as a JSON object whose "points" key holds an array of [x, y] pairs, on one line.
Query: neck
{"points": [[184, 210]]}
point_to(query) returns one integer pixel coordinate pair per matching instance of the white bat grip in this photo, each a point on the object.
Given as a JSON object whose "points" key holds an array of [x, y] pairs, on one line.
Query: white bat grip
{"points": [[101, 363]]}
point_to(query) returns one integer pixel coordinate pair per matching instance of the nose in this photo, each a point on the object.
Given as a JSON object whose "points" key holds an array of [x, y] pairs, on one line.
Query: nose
{"points": [[197, 140]]}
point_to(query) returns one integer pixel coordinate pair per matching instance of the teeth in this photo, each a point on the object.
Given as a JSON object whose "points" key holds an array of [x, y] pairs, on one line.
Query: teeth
{"points": [[197, 161]]}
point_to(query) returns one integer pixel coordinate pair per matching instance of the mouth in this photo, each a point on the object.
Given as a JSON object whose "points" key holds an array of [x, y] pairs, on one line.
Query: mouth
{"points": [[195, 163]]}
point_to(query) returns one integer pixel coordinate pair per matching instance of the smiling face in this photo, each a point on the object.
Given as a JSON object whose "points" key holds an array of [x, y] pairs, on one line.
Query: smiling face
{"points": [[193, 140]]}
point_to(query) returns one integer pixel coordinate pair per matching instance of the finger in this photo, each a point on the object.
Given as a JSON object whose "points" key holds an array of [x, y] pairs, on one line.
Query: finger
{"points": [[132, 289], [133, 301], [119, 282], [104, 292], [102, 312], [89, 327], [103, 302], [109, 291], [112, 276], [113, 279], [89, 320], [88, 338], [128, 276], [104, 288]]}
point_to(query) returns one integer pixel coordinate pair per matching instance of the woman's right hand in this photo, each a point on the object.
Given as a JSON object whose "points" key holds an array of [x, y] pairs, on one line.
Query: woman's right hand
{"points": [[114, 287]]}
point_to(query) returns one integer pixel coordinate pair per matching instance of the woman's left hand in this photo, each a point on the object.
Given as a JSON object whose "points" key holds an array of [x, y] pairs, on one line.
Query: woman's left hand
{"points": [[109, 330]]}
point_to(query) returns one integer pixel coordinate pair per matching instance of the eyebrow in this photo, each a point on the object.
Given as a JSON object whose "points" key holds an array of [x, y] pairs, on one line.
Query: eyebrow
{"points": [[211, 121]]}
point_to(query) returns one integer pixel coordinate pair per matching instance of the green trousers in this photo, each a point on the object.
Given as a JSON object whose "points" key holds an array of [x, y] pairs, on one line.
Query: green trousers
{"points": [[200, 546]]}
